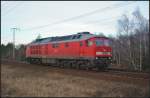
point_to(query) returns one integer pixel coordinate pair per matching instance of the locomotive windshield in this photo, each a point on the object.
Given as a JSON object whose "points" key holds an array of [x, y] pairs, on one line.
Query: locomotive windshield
{"points": [[102, 42]]}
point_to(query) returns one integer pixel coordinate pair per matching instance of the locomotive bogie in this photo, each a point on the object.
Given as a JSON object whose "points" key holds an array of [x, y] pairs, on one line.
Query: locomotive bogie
{"points": [[72, 63]]}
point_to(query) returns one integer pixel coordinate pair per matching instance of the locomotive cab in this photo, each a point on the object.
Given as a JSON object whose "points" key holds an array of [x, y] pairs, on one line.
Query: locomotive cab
{"points": [[101, 49], [82, 49]]}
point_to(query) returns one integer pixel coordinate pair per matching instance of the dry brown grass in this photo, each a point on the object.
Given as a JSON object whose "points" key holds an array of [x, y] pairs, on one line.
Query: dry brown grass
{"points": [[19, 81]]}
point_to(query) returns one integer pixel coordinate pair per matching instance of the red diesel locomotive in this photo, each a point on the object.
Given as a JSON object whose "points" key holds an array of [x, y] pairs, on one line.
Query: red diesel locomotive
{"points": [[78, 50]]}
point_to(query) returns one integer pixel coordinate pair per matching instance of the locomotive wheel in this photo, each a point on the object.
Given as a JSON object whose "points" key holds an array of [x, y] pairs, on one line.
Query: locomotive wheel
{"points": [[66, 64], [90, 68], [39, 61], [100, 68], [78, 66], [62, 65], [87, 68], [73, 65], [70, 65]]}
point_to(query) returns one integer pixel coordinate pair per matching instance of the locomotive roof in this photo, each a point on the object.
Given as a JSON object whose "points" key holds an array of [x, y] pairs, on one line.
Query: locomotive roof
{"points": [[57, 39]]}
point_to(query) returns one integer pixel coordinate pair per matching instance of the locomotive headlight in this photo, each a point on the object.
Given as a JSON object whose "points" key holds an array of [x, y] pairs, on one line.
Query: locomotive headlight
{"points": [[109, 53], [99, 53], [103, 53]]}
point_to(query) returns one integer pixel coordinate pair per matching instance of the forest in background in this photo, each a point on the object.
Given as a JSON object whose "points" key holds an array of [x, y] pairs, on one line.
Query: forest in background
{"points": [[130, 46]]}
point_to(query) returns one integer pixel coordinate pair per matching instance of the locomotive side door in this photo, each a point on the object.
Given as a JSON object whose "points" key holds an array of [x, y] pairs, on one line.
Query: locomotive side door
{"points": [[89, 48], [81, 49]]}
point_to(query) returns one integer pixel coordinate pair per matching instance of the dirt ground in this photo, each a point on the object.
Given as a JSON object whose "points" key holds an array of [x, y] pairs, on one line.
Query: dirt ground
{"points": [[39, 81]]}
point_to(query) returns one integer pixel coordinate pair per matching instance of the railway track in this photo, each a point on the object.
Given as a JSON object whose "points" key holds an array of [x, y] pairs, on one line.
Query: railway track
{"points": [[125, 70], [108, 74], [128, 73]]}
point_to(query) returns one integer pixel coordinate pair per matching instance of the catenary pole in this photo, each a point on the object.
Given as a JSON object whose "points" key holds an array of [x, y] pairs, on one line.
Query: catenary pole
{"points": [[14, 30]]}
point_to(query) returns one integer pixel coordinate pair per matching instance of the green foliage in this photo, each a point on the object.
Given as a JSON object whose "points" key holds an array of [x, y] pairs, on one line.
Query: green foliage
{"points": [[38, 37], [7, 51]]}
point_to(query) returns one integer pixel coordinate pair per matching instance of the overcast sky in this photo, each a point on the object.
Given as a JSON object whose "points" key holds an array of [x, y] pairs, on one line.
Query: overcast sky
{"points": [[49, 18]]}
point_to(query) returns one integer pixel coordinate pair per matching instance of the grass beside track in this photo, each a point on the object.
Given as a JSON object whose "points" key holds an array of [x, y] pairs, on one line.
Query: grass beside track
{"points": [[37, 81]]}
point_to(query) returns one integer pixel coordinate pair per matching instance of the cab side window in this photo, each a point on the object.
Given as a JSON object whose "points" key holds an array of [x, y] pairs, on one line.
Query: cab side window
{"points": [[89, 43], [81, 44]]}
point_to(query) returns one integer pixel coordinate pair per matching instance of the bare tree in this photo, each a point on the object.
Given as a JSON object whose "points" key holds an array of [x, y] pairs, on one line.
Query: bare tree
{"points": [[133, 40], [125, 29], [141, 27]]}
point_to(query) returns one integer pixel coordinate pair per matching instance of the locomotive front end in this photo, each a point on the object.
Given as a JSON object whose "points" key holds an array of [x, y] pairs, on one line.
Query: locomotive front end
{"points": [[103, 51]]}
